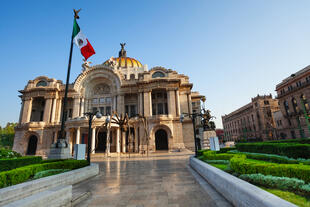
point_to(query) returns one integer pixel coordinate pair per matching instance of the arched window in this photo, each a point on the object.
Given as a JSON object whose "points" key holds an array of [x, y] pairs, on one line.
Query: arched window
{"points": [[158, 75], [287, 110], [41, 83], [304, 102], [295, 106]]}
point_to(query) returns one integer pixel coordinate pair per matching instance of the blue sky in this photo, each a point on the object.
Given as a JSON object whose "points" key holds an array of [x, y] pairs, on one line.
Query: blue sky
{"points": [[231, 50]]}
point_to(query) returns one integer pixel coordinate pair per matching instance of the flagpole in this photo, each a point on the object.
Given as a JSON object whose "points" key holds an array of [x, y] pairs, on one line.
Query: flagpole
{"points": [[64, 108]]}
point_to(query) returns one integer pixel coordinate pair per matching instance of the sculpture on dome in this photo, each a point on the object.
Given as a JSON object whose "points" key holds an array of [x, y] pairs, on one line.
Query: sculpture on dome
{"points": [[122, 52]]}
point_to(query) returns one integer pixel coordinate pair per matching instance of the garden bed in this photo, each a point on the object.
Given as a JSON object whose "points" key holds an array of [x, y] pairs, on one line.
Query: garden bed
{"points": [[280, 174]]}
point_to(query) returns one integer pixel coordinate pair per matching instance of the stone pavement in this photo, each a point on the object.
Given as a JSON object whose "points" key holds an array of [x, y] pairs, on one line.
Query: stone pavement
{"points": [[141, 181]]}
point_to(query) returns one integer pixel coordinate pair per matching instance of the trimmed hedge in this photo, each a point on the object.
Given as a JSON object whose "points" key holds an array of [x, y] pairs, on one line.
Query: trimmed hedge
{"points": [[211, 155], [6, 153], [200, 152], [241, 165], [282, 183], [226, 149], [300, 141], [12, 163], [25, 173], [46, 173], [286, 149]]}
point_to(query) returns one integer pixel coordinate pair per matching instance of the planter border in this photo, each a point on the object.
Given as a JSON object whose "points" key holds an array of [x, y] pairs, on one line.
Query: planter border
{"points": [[235, 190], [22, 190]]}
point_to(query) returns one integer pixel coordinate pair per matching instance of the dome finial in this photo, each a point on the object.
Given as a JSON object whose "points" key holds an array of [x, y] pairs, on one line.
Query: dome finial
{"points": [[123, 52]]}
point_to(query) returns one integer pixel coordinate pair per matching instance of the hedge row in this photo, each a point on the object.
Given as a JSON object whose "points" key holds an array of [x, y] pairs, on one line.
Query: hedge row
{"points": [[25, 173], [6, 153], [211, 155], [300, 141], [282, 183], [226, 149], [12, 163], [286, 149], [241, 165]]}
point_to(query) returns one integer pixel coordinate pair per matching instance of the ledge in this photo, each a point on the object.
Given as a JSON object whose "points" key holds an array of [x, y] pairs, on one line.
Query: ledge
{"points": [[235, 190], [22, 190]]}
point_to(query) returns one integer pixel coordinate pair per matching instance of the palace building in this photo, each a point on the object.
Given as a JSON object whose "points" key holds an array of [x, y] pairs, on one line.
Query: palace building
{"points": [[121, 84]]}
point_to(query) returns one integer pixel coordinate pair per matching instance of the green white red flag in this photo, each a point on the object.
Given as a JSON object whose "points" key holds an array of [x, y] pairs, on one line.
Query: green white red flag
{"points": [[82, 42]]}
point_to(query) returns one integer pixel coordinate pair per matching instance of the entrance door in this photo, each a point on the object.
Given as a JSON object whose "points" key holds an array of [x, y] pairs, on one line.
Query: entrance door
{"points": [[102, 142], [161, 140], [32, 145]]}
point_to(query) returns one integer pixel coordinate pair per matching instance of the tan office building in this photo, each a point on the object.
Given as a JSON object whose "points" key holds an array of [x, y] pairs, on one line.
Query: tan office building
{"points": [[293, 94], [120, 84], [252, 121]]}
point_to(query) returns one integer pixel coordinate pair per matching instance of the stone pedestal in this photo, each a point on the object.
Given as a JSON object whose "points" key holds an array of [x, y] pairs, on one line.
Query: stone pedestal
{"points": [[205, 139], [60, 150]]}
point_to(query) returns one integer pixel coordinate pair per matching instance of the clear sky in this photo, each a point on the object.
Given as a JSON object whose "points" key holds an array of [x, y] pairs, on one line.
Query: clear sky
{"points": [[231, 50]]}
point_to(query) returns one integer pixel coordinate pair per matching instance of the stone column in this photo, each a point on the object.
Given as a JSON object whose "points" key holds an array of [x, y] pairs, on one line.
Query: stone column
{"points": [[177, 99], [53, 110], [171, 102], [76, 107], [47, 110], [59, 110], [189, 103], [82, 107], [118, 145], [140, 101], [136, 140], [93, 140], [114, 104], [27, 108], [147, 97], [77, 136], [55, 136], [21, 112], [121, 104], [124, 142], [68, 135]]}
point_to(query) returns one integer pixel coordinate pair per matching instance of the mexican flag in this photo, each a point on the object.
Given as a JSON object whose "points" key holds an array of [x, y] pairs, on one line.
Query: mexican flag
{"points": [[82, 42]]}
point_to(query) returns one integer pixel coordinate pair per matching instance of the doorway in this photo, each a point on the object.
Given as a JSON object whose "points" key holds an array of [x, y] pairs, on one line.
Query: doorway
{"points": [[102, 142], [161, 140], [32, 145]]}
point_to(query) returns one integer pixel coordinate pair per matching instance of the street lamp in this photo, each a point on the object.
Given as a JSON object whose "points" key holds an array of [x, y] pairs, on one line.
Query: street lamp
{"points": [[207, 124], [90, 116], [108, 123]]}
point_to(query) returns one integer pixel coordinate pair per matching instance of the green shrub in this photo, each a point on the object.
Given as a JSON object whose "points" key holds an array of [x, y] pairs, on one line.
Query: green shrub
{"points": [[12, 163], [292, 150], [51, 160], [300, 141], [241, 165], [6, 153], [226, 149], [25, 173], [200, 152], [217, 161], [46, 173], [283, 183], [212, 155]]}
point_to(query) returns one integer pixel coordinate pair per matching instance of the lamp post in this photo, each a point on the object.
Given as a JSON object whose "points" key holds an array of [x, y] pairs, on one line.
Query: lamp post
{"points": [[90, 116], [108, 123]]}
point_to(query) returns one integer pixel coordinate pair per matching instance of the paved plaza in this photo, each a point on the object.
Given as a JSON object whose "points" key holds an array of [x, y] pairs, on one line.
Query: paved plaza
{"points": [[152, 181]]}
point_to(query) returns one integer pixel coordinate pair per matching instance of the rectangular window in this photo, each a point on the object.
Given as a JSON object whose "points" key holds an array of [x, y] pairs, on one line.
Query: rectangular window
{"points": [[108, 110], [154, 109], [132, 110], [166, 108], [126, 109], [160, 108], [109, 100], [95, 109], [101, 100], [102, 110], [95, 101], [159, 95]]}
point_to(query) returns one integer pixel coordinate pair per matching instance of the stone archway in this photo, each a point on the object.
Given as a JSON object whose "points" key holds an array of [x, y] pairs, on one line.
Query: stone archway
{"points": [[32, 145], [161, 140]]}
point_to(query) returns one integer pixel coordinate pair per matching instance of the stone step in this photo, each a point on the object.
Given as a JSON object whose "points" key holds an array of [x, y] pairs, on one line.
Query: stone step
{"points": [[58, 196]]}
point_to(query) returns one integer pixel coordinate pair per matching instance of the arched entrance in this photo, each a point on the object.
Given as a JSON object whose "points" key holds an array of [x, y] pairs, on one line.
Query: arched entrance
{"points": [[32, 145], [161, 140]]}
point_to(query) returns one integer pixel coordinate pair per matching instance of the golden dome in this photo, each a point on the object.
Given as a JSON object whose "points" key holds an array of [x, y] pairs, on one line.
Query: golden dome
{"points": [[125, 62]]}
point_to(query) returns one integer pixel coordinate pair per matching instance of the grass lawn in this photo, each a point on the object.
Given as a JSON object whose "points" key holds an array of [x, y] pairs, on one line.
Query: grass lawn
{"points": [[289, 196]]}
